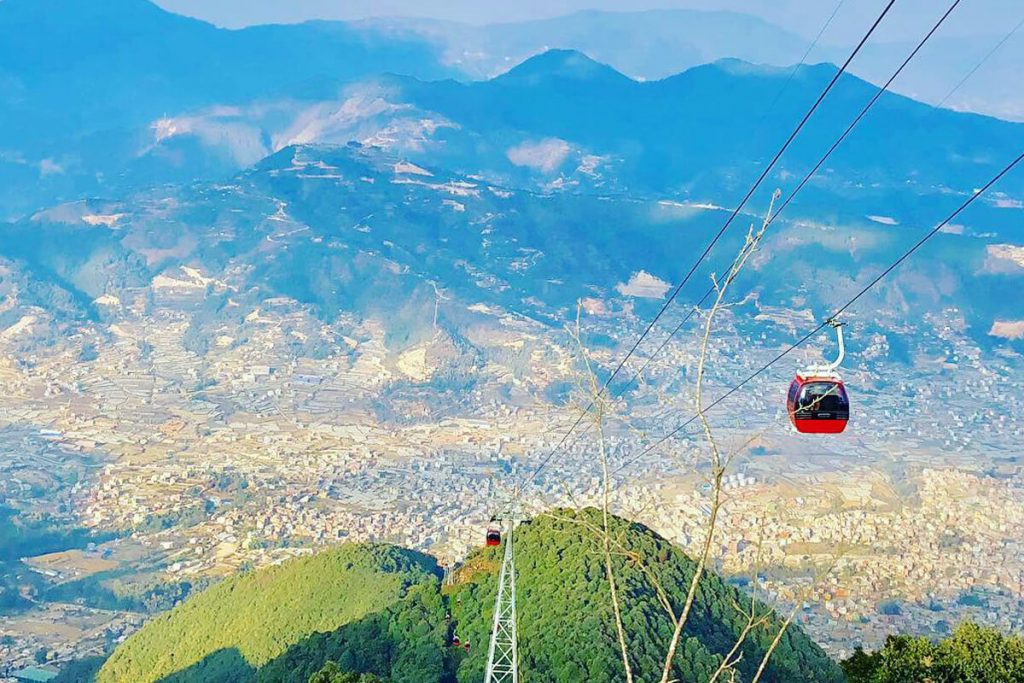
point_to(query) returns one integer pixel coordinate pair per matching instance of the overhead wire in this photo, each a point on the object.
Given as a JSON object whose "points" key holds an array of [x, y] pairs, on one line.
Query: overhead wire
{"points": [[732, 217], [906, 255], [1012, 32], [806, 179], [774, 102], [817, 167]]}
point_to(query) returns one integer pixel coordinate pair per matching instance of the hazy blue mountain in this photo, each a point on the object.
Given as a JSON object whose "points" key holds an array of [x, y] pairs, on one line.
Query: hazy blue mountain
{"points": [[118, 60], [84, 85], [351, 230], [103, 98], [705, 133], [562, 121], [666, 152], [644, 45], [654, 44]]}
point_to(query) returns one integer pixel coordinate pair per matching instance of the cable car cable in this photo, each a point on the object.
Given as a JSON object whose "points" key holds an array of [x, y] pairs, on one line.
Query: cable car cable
{"points": [[803, 60], [735, 212], [817, 167], [807, 178], [775, 101], [980, 64], [931, 233]]}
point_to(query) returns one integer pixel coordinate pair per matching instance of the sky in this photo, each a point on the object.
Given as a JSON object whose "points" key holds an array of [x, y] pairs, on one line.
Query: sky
{"points": [[976, 17]]}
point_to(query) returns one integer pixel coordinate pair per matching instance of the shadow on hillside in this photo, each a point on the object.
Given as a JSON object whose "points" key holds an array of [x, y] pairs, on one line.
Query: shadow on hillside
{"points": [[401, 641], [222, 666], [382, 643]]}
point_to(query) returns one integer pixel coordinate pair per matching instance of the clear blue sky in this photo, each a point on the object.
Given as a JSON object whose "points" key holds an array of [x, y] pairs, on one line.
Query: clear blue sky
{"points": [[802, 16]]}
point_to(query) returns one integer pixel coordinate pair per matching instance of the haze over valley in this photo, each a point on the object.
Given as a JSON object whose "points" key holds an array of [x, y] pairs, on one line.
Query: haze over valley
{"points": [[271, 290]]}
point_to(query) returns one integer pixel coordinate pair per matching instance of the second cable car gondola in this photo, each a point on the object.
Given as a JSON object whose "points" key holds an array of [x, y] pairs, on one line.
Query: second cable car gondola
{"points": [[817, 401], [493, 537]]}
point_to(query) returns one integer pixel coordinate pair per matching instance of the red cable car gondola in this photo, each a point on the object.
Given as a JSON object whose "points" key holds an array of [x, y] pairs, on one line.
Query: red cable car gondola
{"points": [[817, 401], [818, 404], [493, 532]]}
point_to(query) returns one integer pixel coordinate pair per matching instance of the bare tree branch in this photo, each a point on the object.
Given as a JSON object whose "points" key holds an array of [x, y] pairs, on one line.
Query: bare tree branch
{"points": [[598, 416], [717, 468]]}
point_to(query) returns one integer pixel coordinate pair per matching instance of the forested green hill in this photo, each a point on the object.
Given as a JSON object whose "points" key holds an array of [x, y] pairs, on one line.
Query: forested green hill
{"points": [[382, 611], [566, 627], [229, 631]]}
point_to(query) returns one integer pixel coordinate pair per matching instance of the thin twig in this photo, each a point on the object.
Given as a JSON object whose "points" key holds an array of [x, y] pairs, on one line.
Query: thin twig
{"points": [[718, 471], [597, 398]]}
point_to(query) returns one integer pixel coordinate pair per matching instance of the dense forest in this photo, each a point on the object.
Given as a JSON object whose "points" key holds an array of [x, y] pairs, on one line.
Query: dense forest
{"points": [[377, 613], [332, 673], [972, 654], [566, 625], [231, 630]]}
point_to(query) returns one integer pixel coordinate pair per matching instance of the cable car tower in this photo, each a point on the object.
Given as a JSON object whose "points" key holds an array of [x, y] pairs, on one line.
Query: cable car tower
{"points": [[503, 652]]}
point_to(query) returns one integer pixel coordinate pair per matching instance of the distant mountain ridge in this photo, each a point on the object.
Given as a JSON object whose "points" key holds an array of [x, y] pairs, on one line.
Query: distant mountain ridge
{"points": [[560, 65], [104, 98], [654, 44], [646, 44], [706, 130], [86, 85]]}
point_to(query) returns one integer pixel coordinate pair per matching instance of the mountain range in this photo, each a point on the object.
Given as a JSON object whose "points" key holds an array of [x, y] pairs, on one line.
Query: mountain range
{"points": [[88, 89], [319, 239], [655, 44], [704, 132], [647, 45], [102, 98]]}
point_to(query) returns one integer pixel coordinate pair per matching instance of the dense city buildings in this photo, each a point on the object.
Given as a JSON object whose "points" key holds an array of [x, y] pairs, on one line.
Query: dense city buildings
{"points": [[189, 466]]}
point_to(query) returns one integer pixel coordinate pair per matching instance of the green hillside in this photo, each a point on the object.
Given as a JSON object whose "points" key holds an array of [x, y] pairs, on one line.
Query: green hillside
{"points": [[566, 625], [231, 630], [380, 611]]}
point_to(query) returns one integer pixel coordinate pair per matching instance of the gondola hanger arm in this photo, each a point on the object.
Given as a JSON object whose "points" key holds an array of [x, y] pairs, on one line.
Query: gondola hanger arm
{"points": [[838, 326]]}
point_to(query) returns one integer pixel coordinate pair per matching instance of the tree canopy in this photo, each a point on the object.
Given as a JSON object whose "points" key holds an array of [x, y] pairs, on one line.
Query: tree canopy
{"points": [[972, 654], [229, 631], [381, 613], [566, 627]]}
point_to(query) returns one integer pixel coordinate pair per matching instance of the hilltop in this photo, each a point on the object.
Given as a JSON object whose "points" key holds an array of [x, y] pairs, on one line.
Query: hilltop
{"points": [[381, 610], [241, 624]]}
